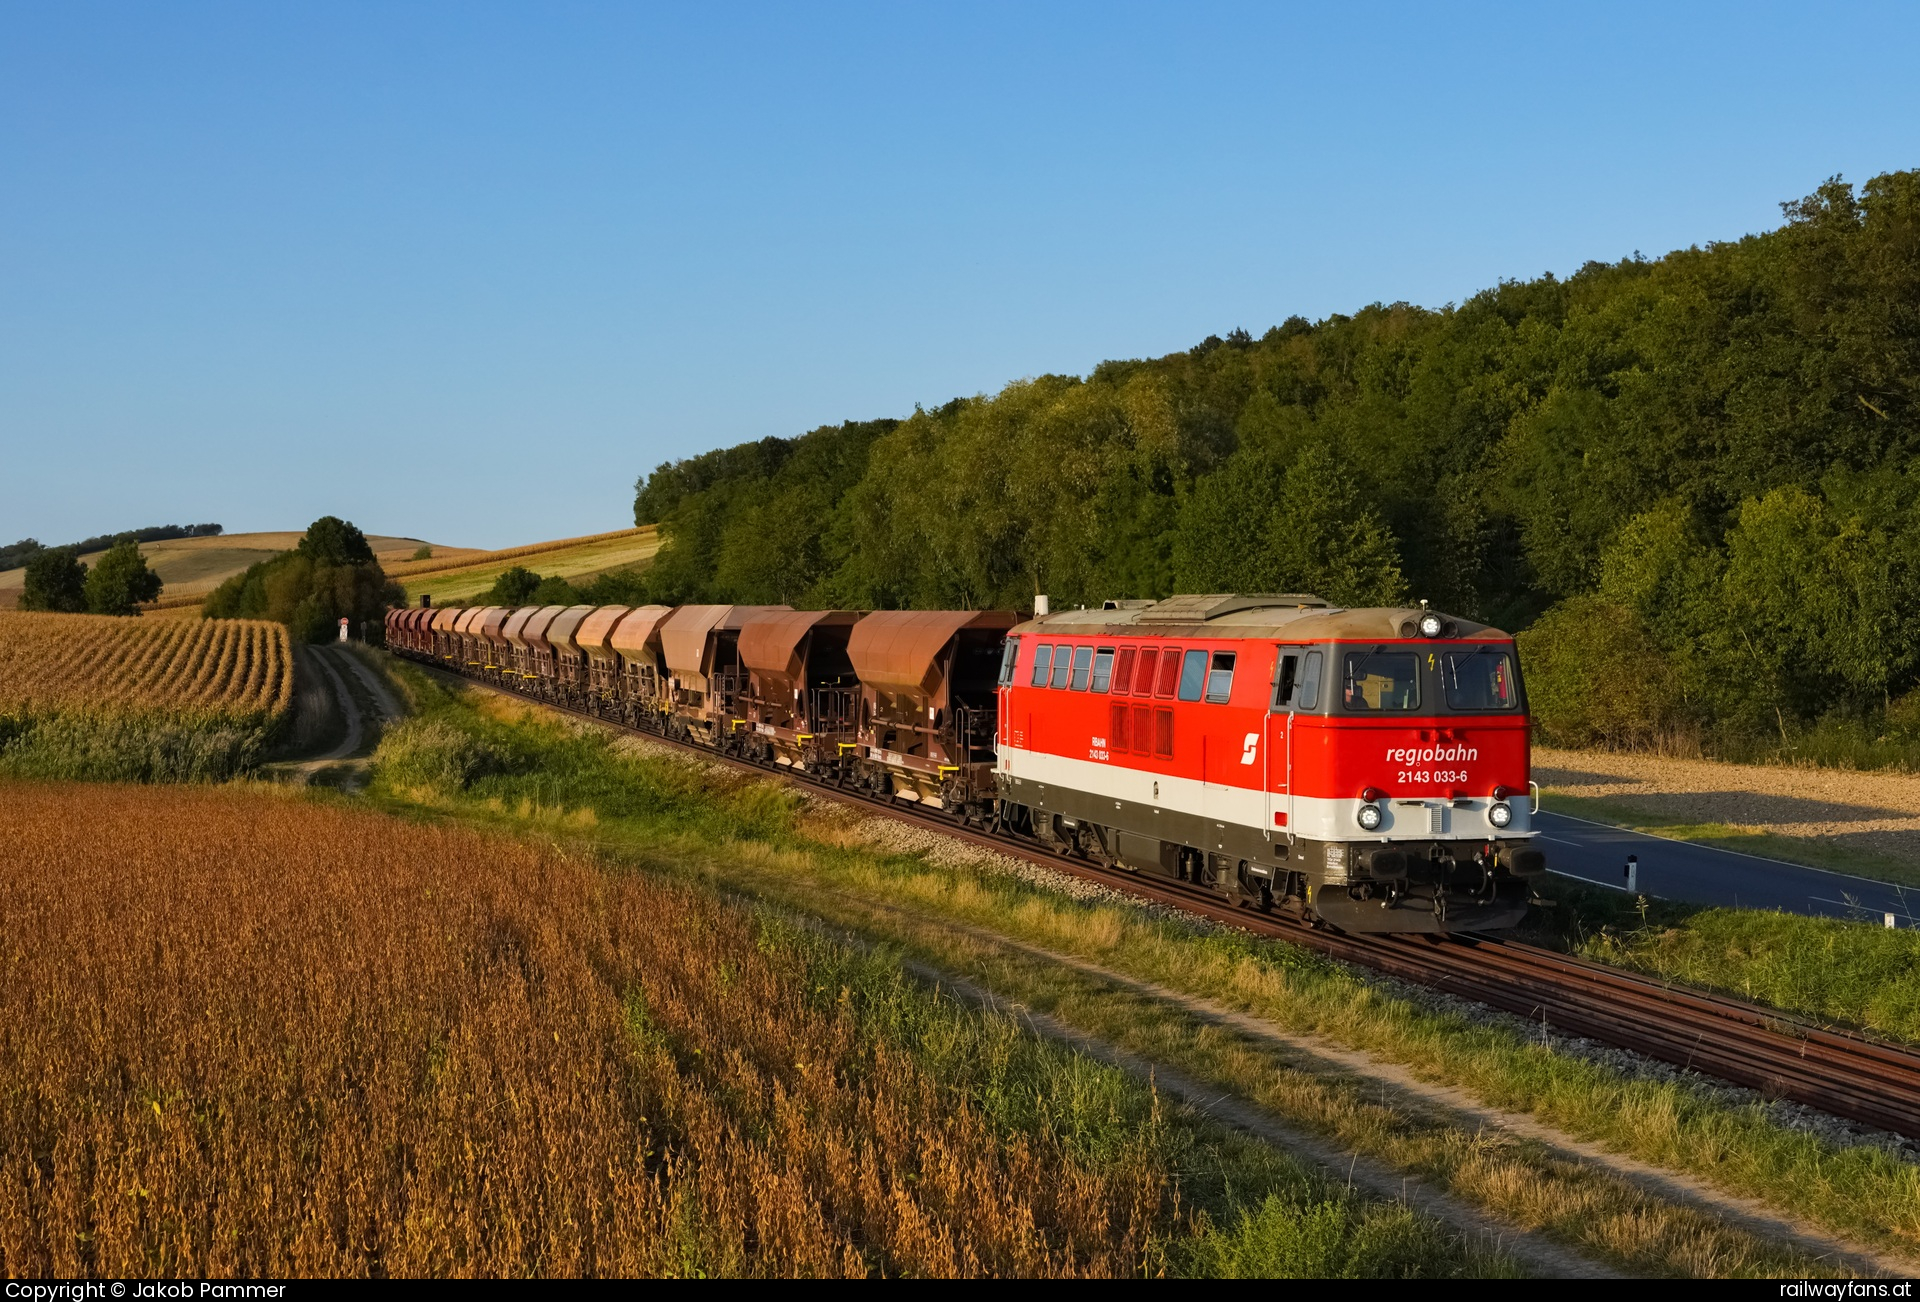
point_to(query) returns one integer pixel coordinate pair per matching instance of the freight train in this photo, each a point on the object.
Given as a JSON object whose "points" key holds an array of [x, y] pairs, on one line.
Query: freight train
{"points": [[1366, 769]]}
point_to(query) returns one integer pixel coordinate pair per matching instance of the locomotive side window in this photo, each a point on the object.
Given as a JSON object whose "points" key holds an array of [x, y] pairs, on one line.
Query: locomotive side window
{"points": [[1082, 663], [1382, 680], [1007, 657], [1478, 680], [1143, 676], [1123, 671], [1169, 672], [1062, 663], [1220, 677], [1102, 668], [1283, 682], [1310, 681], [1042, 665], [1193, 676]]}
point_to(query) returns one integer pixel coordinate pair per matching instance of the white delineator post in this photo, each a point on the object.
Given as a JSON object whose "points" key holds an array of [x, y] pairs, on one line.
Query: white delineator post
{"points": [[1633, 874]]}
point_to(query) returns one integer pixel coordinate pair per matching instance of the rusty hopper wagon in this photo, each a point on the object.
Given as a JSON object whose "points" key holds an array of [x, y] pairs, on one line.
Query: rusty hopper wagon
{"points": [[410, 630], [493, 646], [642, 680], [569, 660], [540, 651], [445, 644], [928, 681], [803, 700], [701, 645], [603, 662], [519, 658], [466, 638]]}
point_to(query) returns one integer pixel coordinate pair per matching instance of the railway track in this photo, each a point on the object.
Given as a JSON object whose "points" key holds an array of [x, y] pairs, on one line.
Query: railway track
{"points": [[1774, 1053]]}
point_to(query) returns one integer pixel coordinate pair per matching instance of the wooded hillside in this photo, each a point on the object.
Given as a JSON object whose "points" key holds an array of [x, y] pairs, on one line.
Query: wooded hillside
{"points": [[1691, 477]]}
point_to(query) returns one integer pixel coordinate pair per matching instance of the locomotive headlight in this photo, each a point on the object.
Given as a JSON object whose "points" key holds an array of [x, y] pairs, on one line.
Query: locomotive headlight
{"points": [[1430, 625], [1370, 817], [1500, 814]]}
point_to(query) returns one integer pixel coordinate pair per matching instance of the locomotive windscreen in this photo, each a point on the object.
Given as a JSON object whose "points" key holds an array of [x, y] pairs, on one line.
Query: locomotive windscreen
{"points": [[1479, 680], [1383, 680]]}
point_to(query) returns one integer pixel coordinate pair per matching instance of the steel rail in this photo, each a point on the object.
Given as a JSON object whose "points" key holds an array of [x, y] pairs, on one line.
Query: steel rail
{"points": [[1777, 1054]]}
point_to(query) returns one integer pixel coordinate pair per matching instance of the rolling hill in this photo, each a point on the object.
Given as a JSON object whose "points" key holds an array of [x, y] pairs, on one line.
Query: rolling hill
{"points": [[193, 567], [459, 577]]}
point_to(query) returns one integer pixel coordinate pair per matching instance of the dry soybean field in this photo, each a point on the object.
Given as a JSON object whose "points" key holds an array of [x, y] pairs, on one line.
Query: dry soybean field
{"points": [[101, 697], [249, 1034]]}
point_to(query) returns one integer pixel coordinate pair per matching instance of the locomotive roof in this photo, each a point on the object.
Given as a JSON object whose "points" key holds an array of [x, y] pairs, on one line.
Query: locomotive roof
{"points": [[1291, 617]]}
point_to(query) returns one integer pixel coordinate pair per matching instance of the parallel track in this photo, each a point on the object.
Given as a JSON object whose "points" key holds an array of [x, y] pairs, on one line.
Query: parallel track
{"points": [[1777, 1054]]}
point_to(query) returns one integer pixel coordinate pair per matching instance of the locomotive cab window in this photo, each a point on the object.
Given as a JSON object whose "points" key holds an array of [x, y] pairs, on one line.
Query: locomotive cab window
{"points": [[1220, 678], [1478, 680], [1082, 665], [1286, 680], [1102, 668], [1007, 657], [1308, 692], [1193, 676], [1385, 681], [1062, 665], [1042, 665]]}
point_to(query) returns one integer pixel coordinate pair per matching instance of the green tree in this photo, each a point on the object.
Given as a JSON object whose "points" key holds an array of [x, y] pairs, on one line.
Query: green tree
{"points": [[120, 581], [1716, 441], [55, 580], [514, 587], [1254, 526], [331, 575], [332, 541]]}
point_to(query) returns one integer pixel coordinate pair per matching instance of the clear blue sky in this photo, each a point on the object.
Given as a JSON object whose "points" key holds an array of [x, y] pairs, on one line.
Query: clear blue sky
{"points": [[465, 270]]}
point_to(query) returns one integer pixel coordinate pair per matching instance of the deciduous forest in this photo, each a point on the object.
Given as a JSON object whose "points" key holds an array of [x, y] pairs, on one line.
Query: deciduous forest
{"points": [[1689, 482]]}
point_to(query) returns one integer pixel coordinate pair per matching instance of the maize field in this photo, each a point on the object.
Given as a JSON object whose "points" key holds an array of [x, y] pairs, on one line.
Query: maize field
{"points": [[246, 1034], [101, 697]]}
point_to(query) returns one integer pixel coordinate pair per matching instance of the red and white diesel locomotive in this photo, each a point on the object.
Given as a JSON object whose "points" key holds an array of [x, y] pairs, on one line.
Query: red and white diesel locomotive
{"points": [[1365, 768]]}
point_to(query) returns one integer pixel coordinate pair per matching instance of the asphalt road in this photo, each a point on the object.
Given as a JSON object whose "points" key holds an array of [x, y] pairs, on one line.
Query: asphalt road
{"points": [[1675, 870]]}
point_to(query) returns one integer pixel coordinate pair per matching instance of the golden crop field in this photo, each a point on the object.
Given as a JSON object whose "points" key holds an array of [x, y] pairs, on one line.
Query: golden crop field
{"points": [[459, 578], [248, 1034], [140, 700], [94, 663]]}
